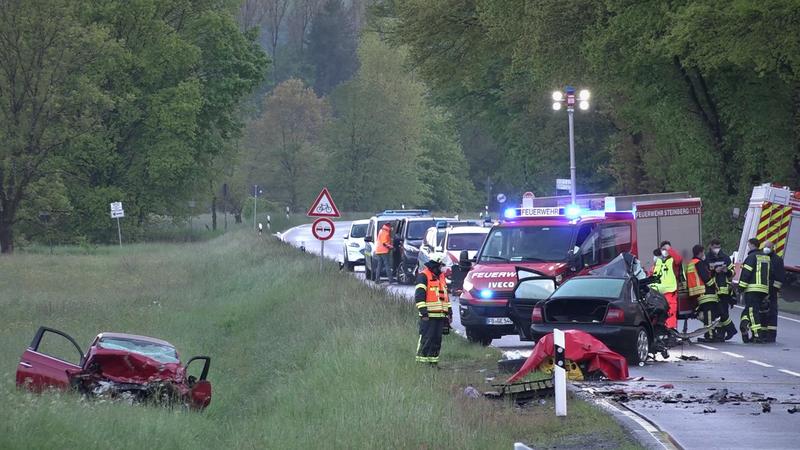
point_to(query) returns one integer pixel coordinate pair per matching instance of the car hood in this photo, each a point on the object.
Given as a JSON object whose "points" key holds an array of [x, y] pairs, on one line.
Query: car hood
{"points": [[503, 277], [127, 367]]}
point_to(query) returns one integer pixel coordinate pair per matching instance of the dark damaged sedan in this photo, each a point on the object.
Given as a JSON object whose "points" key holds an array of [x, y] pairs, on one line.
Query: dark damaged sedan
{"points": [[116, 365]]}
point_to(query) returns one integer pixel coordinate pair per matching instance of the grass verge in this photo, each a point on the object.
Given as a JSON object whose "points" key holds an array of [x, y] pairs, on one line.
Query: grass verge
{"points": [[300, 359]]}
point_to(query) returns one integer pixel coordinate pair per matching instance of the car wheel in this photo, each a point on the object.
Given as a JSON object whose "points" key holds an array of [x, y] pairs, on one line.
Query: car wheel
{"points": [[367, 272], [350, 267], [402, 273], [478, 337], [641, 347]]}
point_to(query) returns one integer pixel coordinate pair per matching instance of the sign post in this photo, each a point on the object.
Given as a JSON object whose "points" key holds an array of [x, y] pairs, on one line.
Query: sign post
{"points": [[323, 228], [563, 184], [559, 372], [116, 213]]}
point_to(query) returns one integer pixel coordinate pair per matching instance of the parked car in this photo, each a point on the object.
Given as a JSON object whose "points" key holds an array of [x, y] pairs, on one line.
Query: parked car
{"points": [[377, 221], [614, 305], [453, 240], [353, 245], [116, 365], [409, 234]]}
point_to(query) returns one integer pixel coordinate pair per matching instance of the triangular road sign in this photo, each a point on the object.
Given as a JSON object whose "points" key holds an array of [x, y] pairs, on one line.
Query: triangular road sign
{"points": [[323, 206]]}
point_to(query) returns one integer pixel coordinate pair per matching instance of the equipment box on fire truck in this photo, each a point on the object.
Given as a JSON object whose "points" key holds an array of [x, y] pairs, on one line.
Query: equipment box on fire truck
{"points": [[557, 240], [773, 214]]}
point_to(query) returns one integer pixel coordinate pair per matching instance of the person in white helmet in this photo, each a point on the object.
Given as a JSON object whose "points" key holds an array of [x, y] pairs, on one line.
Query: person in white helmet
{"points": [[433, 305]]}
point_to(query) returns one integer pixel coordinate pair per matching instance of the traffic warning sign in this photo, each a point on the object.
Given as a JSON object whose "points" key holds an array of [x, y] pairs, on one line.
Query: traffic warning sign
{"points": [[323, 206]]}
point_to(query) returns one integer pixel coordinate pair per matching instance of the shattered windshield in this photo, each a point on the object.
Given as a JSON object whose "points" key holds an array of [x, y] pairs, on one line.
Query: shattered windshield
{"points": [[161, 353]]}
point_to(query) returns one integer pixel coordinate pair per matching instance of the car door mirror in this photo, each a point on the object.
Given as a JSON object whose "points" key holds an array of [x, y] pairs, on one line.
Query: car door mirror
{"points": [[367, 238], [346, 236]]}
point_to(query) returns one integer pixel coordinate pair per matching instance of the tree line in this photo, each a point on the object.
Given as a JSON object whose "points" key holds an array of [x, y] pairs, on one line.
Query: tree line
{"points": [[690, 95], [115, 100]]}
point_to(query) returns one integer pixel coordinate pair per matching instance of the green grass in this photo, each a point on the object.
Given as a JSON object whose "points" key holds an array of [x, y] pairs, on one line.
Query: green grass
{"points": [[300, 359]]}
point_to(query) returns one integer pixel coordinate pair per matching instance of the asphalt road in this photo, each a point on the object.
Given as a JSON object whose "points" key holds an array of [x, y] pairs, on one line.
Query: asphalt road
{"points": [[676, 394]]}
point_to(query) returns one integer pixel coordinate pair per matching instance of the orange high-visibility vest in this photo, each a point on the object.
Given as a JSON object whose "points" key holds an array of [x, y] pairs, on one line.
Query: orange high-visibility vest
{"points": [[693, 280], [436, 300], [384, 241]]}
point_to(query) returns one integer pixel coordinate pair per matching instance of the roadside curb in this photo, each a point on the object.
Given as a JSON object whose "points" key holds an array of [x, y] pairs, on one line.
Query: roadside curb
{"points": [[638, 427]]}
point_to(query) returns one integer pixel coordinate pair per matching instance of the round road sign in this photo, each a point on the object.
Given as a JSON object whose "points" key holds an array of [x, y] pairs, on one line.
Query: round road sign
{"points": [[323, 229], [501, 198]]}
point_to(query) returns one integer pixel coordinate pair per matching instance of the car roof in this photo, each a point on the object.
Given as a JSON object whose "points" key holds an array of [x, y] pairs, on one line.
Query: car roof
{"points": [[468, 230], [134, 337]]}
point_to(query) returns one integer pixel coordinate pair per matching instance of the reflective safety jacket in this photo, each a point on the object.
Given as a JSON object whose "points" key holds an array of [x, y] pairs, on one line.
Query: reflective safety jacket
{"points": [[430, 295], [384, 242], [778, 275], [665, 268], [724, 277], [756, 273], [700, 282]]}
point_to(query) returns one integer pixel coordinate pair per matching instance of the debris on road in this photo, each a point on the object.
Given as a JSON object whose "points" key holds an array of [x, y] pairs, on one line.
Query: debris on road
{"points": [[793, 410], [471, 392], [690, 358], [709, 410], [667, 386], [766, 407]]}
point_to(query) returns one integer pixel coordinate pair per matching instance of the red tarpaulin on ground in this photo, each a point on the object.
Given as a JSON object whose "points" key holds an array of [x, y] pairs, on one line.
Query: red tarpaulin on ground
{"points": [[580, 346]]}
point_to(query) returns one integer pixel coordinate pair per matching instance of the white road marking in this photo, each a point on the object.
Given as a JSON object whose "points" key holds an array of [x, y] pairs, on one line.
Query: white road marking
{"points": [[707, 347], [646, 425], [735, 355], [782, 317], [789, 372], [759, 363]]}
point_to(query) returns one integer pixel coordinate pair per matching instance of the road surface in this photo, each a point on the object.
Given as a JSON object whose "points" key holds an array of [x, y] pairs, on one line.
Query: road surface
{"points": [[676, 394]]}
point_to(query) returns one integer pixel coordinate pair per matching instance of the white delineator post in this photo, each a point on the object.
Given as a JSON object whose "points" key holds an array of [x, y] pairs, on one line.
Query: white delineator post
{"points": [[559, 373]]}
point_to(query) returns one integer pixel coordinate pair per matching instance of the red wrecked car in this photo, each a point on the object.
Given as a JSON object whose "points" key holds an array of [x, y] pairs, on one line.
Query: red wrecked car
{"points": [[117, 365]]}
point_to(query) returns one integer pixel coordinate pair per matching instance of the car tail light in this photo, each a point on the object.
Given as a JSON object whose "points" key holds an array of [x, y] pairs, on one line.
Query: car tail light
{"points": [[537, 316], [615, 314]]}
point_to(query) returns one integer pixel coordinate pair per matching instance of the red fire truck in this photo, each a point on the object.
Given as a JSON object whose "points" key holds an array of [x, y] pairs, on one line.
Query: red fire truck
{"points": [[557, 239]]}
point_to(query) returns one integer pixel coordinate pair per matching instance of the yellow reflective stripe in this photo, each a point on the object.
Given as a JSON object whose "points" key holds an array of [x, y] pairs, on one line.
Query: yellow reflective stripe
{"points": [[743, 284], [777, 284], [420, 286], [707, 298], [436, 314], [420, 305], [747, 266]]}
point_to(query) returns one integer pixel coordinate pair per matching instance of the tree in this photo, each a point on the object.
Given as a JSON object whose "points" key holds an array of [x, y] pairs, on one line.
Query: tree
{"points": [[52, 68], [332, 47], [287, 140], [374, 139]]}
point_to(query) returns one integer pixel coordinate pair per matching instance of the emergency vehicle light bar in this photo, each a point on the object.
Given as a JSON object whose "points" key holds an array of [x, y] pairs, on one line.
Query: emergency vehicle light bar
{"points": [[569, 212]]}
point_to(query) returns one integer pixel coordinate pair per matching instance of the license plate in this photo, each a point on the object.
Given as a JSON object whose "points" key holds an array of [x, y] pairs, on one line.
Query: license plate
{"points": [[498, 321]]}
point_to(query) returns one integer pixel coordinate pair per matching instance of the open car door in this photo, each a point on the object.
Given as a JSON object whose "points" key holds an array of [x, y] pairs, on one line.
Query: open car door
{"points": [[51, 359], [200, 394], [532, 287]]}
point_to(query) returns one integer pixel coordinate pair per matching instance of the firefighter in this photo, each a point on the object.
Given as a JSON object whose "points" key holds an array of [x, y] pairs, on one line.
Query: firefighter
{"points": [[702, 284], [754, 282], [769, 320], [668, 282], [722, 268], [433, 305]]}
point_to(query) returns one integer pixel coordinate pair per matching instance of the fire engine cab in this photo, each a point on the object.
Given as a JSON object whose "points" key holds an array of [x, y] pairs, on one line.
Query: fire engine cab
{"points": [[560, 240]]}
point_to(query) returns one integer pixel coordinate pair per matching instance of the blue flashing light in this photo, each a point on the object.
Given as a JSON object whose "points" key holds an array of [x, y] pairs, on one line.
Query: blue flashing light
{"points": [[486, 293], [510, 213], [572, 211]]}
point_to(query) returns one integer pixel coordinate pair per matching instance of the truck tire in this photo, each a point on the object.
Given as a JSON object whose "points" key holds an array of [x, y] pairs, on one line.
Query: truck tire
{"points": [[478, 337]]}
